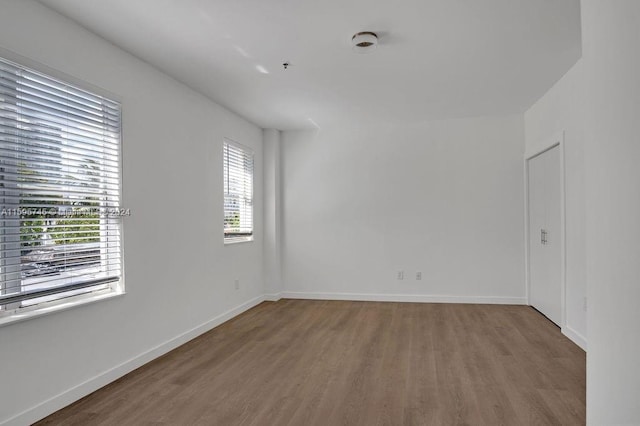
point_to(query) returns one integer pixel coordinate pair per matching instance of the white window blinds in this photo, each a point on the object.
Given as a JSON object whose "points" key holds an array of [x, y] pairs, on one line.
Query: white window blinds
{"points": [[59, 189], [238, 192]]}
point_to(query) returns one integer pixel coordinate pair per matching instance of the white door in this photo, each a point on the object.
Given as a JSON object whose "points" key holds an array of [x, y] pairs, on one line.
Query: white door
{"points": [[545, 271]]}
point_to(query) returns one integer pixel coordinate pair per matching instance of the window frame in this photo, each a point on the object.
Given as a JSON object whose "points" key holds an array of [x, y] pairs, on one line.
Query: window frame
{"points": [[247, 150], [114, 288]]}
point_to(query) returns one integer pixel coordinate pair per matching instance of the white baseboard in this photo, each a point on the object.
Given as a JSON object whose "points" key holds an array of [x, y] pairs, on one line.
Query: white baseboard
{"points": [[67, 397], [272, 297], [417, 298], [575, 337]]}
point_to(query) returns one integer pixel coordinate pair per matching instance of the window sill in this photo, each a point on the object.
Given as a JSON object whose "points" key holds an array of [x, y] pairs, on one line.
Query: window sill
{"points": [[238, 240], [24, 314]]}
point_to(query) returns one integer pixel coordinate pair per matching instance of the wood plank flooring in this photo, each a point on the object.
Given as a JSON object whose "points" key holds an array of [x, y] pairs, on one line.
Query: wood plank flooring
{"points": [[302, 362]]}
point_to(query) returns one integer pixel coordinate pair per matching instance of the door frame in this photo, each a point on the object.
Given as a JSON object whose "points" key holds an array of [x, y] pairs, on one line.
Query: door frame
{"points": [[556, 140]]}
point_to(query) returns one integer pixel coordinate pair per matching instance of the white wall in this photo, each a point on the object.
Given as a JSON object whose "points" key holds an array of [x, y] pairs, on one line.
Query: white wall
{"points": [[444, 198], [611, 33], [272, 214], [562, 109], [178, 273]]}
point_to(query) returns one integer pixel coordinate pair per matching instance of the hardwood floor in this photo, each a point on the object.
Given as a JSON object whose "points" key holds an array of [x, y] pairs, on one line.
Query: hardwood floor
{"points": [[302, 362]]}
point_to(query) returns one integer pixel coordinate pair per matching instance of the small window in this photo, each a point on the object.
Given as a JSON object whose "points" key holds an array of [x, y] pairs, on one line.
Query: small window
{"points": [[238, 192], [59, 191]]}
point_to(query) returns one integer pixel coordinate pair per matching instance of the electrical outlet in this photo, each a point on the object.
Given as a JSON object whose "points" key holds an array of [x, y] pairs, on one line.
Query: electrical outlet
{"points": [[236, 283], [418, 276], [401, 275]]}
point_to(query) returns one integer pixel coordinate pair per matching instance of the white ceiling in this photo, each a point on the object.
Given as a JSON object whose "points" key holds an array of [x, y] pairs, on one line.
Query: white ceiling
{"points": [[436, 58]]}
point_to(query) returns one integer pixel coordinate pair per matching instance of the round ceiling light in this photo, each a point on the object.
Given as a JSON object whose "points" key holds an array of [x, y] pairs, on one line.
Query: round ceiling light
{"points": [[364, 42]]}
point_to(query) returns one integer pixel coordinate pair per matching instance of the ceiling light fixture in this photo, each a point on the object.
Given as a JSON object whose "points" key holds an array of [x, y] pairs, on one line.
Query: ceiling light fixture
{"points": [[364, 42]]}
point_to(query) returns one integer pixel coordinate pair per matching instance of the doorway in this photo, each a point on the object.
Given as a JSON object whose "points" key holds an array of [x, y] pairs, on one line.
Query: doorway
{"points": [[545, 224]]}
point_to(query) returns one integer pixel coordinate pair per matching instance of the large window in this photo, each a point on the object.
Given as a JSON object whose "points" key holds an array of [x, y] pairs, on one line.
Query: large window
{"points": [[238, 192], [59, 191]]}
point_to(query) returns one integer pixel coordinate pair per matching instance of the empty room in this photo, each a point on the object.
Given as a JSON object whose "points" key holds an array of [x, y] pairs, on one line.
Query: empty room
{"points": [[278, 212]]}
